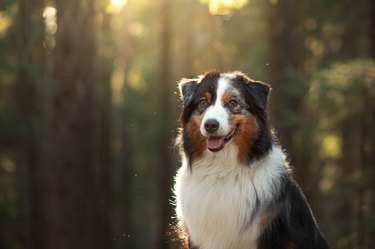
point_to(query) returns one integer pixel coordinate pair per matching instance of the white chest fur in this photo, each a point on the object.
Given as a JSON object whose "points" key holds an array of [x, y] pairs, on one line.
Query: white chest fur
{"points": [[218, 198]]}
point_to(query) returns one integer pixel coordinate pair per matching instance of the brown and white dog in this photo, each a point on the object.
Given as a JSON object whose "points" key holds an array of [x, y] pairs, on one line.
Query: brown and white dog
{"points": [[235, 189]]}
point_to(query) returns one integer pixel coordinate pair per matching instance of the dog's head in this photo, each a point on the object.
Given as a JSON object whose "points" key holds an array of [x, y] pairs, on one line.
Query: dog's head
{"points": [[223, 108]]}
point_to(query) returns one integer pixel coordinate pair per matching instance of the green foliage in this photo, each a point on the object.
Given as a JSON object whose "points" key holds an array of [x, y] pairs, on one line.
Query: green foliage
{"points": [[343, 97], [343, 90]]}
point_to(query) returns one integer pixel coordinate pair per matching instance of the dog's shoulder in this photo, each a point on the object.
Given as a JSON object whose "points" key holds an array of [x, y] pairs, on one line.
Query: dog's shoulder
{"points": [[293, 225]]}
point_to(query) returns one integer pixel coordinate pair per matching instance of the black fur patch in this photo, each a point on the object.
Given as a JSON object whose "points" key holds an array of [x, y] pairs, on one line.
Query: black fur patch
{"points": [[256, 94], [294, 226], [187, 89], [193, 90]]}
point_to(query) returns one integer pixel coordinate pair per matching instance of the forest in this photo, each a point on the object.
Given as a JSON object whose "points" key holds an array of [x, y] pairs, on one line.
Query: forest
{"points": [[89, 110]]}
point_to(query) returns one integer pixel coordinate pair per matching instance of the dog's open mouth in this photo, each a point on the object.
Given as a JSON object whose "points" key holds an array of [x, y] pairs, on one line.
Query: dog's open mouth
{"points": [[215, 144]]}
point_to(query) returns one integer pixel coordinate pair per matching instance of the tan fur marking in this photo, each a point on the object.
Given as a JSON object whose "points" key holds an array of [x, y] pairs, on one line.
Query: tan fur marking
{"points": [[227, 96], [199, 141], [208, 96], [266, 217], [246, 134]]}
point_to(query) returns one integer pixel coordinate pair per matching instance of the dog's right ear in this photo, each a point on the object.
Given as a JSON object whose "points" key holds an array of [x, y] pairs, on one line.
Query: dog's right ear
{"points": [[187, 88]]}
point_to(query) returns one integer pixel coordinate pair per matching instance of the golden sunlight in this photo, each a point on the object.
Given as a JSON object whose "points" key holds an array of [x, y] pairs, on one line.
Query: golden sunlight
{"points": [[116, 5], [331, 145], [50, 18], [117, 81], [5, 23], [49, 15], [223, 7]]}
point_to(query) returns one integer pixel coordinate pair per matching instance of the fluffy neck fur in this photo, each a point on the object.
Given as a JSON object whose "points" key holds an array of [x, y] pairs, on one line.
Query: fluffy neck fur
{"points": [[220, 201]]}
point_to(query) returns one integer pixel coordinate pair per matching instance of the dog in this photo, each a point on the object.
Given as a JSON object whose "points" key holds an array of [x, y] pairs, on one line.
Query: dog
{"points": [[235, 189]]}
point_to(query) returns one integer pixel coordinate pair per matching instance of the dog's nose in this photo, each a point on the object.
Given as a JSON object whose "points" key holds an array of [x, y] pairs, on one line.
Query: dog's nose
{"points": [[211, 125]]}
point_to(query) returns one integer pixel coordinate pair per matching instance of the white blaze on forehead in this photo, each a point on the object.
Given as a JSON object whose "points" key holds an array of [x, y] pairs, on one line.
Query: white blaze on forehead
{"points": [[217, 111], [222, 86]]}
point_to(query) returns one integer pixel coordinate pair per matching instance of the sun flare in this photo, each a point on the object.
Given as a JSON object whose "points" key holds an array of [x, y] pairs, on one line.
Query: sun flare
{"points": [[223, 7], [116, 5]]}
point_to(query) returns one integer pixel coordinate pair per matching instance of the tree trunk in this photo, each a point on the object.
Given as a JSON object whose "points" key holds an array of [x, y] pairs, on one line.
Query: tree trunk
{"points": [[187, 34], [285, 73], [346, 212], [366, 183], [283, 59], [70, 191], [165, 170], [372, 28], [28, 98], [103, 235]]}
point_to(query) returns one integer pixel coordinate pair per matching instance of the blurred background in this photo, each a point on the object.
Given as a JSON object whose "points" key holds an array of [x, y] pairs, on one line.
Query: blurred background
{"points": [[89, 111]]}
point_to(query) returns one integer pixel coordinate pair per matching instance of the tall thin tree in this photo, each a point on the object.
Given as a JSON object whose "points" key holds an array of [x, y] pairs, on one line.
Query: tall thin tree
{"points": [[165, 170], [103, 230], [289, 89], [28, 36], [69, 192]]}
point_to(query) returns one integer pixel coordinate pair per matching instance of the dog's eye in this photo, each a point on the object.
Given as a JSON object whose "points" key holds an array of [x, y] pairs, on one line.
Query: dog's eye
{"points": [[202, 105], [234, 105]]}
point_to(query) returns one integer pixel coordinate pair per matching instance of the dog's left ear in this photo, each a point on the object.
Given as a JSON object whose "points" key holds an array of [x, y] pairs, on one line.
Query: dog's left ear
{"points": [[187, 88], [259, 91]]}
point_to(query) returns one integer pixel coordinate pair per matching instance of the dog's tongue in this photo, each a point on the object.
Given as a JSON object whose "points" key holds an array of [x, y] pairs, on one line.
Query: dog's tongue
{"points": [[214, 143]]}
